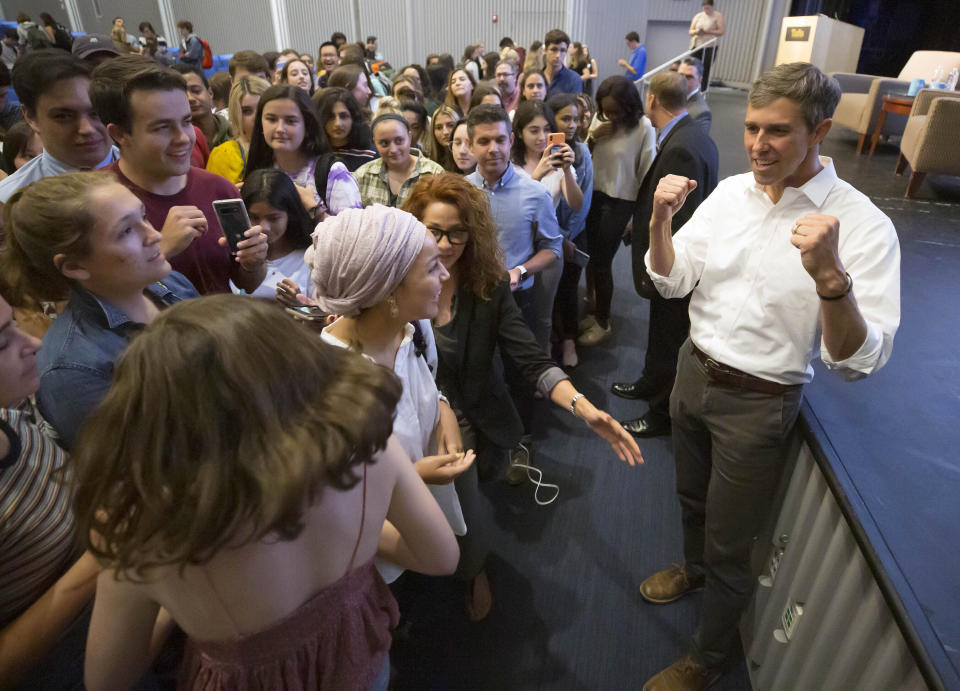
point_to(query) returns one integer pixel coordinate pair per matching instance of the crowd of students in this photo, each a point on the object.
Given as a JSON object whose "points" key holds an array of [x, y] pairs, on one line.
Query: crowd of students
{"points": [[308, 411]]}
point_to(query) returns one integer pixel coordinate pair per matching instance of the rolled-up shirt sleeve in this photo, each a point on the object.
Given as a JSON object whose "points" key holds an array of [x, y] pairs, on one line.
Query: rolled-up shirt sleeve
{"points": [[548, 230], [690, 245], [873, 262]]}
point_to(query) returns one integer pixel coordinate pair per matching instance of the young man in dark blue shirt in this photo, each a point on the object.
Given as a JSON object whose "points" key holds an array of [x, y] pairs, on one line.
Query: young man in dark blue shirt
{"points": [[560, 79]]}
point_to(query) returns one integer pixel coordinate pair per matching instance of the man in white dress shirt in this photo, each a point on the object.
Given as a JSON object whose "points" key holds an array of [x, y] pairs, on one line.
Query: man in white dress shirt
{"points": [[783, 262]]}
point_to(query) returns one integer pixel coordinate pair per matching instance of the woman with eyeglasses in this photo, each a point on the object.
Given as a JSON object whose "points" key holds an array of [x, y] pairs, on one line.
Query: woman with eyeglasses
{"points": [[476, 315]]}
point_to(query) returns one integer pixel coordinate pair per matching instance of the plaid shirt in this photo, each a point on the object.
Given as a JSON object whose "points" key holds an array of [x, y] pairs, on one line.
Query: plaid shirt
{"points": [[375, 188]]}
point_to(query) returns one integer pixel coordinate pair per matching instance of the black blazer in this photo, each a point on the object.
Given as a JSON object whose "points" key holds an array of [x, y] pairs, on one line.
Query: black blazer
{"points": [[471, 376], [688, 151]]}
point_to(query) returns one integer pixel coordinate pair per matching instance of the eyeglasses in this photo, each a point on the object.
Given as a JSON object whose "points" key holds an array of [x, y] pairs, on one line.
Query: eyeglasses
{"points": [[454, 237]]}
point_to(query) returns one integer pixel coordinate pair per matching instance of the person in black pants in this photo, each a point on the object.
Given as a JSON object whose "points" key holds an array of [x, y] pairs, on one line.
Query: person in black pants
{"points": [[622, 142], [477, 315], [683, 149]]}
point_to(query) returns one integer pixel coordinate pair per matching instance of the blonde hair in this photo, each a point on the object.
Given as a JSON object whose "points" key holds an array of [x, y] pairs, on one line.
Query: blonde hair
{"points": [[247, 84], [48, 217], [388, 104], [226, 420]]}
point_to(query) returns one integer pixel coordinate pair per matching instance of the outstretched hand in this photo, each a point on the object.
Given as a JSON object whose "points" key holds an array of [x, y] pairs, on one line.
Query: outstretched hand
{"points": [[603, 425]]}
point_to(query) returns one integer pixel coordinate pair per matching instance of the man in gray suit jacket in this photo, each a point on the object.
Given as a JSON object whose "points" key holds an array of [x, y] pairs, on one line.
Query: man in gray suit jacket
{"points": [[692, 70]]}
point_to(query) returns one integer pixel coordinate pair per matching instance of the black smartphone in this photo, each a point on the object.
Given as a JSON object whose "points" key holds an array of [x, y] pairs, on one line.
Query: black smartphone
{"points": [[307, 313], [234, 221]]}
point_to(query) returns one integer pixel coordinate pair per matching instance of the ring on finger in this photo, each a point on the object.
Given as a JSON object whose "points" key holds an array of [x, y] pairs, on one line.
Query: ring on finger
{"points": [[795, 229]]}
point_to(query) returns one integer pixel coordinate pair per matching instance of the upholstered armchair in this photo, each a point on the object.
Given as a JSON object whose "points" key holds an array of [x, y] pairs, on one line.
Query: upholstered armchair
{"points": [[930, 142], [859, 106]]}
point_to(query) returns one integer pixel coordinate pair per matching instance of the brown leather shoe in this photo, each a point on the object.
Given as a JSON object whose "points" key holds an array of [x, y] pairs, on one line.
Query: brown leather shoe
{"points": [[669, 585], [683, 675]]}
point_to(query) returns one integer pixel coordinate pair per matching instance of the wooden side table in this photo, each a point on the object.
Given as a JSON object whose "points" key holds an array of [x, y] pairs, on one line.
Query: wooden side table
{"points": [[891, 104]]}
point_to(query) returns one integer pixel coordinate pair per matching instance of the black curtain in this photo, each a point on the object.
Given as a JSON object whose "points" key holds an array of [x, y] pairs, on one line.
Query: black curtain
{"points": [[893, 29]]}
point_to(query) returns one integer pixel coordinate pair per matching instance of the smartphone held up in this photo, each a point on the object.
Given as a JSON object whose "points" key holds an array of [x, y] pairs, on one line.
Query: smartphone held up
{"points": [[234, 221]]}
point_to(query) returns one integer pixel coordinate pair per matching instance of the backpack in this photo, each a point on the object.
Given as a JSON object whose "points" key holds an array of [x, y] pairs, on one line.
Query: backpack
{"points": [[321, 173], [37, 38], [63, 37], [207, 61]]}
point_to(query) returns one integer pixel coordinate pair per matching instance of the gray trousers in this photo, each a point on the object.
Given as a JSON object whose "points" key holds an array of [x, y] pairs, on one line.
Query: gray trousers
{"points": [[730, 447]]}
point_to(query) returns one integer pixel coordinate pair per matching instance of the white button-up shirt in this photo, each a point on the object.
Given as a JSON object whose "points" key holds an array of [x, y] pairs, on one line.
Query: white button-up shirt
{"points": [[754, 306]]}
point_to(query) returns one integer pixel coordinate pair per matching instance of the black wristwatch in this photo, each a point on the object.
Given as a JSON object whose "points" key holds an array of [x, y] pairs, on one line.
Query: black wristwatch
{"points": [[523, 274]]}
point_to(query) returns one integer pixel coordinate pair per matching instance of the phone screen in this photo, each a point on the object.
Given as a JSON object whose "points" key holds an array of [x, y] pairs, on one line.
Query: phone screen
{"points": [[234, 221]]}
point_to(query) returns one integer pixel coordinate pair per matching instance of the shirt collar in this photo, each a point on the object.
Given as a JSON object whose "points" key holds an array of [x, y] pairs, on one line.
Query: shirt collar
{"points": [[55, 166], [693, 93], [508, 175], [114, 316], [669, 126], [381, 167], [816, 188]]}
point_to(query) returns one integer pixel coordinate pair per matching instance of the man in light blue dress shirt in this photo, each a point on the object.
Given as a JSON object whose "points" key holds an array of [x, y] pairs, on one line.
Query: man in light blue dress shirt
{"points": [[522, 209], [529, 238], [52, 87]]}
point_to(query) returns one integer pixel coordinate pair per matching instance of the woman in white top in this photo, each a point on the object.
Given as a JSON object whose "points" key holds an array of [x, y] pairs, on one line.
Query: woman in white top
{"points": [[379, 269], [553, 169], [704, 26], [273, 203], [623, 143]]}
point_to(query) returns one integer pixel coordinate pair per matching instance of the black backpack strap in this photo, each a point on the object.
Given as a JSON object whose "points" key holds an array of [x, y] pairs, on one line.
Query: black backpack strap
{"points": [[322, 172]]}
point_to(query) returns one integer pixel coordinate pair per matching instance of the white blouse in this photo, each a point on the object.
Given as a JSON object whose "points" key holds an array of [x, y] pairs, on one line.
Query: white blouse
{"points": [[621, 160], [551, 181], [415, 425]]}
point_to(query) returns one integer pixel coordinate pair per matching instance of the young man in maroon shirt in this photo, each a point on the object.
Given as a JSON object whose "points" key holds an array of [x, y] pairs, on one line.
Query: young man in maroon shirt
{"points": [[147, 114]]}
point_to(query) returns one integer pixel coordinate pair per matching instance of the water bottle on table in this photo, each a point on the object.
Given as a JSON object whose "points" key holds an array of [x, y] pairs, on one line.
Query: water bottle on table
{"points": [[953, 79]]}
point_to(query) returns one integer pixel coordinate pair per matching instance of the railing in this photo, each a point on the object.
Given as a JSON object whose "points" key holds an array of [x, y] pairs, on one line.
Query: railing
{"points": [[641, 83]]}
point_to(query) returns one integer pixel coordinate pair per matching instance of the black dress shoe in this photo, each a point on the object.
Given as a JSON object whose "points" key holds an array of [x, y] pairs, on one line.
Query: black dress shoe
{"points": [[644, 427], [636, 390]]}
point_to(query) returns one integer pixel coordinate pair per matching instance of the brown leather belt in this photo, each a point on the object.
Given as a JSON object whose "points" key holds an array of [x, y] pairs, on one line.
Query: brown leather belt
{"points": [[734, 378]]}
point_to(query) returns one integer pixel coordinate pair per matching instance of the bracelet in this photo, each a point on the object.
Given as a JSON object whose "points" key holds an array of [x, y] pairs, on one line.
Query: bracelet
{"points": [[842, 295], [573, 404]]}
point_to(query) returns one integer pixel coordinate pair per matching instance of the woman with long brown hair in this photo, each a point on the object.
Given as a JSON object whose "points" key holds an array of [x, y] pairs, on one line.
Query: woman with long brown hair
{"points": [[255, 524], [460, 88], [476, 315]]}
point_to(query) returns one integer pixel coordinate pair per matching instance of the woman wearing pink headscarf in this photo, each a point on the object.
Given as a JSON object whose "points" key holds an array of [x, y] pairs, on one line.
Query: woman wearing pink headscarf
{"points": [[380, 270]]}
